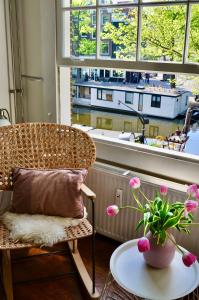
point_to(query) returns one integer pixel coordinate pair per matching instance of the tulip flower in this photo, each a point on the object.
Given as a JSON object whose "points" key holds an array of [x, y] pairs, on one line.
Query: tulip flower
{"points": [[134, 183], [143, 244], [197, 195], [163, 190], [192, 189], [188, 259], [112, 210], [191, 205]]}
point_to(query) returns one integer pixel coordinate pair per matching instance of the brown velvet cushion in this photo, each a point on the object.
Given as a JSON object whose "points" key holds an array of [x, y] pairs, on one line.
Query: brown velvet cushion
{"points": [[48, 192]]}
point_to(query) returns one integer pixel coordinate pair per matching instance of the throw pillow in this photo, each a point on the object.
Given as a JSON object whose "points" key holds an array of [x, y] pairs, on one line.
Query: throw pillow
{"points": [[48, 192]]}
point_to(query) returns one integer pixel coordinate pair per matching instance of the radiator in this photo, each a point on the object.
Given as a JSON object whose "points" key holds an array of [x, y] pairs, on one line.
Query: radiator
{"points": [[104, 180]]}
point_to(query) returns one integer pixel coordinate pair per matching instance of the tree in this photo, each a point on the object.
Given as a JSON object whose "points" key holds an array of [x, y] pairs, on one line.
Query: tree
{"points": [[162, 35], [82, 31]]}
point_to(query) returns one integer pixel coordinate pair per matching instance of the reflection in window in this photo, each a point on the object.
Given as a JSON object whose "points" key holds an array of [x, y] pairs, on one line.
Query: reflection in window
{"points": [[155, 101], [128, 127], [163, 31], [103, 94], [83, 43], [104, 123], [129, 97], [119, 27], [153, 131], [194, 34]]}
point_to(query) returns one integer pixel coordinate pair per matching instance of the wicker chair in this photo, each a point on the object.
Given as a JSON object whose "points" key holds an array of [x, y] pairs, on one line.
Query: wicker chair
{"points": [[46, 146]]}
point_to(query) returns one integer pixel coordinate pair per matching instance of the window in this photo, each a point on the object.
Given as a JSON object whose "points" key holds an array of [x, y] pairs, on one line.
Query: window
{"points": [[155, 101], [129, 97], [105, 18], [93, 19], [106, 95], [132, 29], [84, 92], [104, 50]]}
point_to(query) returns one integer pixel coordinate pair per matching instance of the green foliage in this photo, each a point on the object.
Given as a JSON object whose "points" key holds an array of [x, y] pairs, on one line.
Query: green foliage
{"points": [[162, 36], [159, 216]]}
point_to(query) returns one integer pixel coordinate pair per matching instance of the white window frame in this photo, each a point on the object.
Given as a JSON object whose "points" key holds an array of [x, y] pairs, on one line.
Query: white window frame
{"points": [[161, 162]]}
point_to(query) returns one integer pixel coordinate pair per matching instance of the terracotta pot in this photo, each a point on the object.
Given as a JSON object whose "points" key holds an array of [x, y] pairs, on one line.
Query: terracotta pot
{"points": [[159, 256]]}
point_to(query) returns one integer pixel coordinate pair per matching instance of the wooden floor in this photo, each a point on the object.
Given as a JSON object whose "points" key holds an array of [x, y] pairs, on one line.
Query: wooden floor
{"points": [[45, 278]]}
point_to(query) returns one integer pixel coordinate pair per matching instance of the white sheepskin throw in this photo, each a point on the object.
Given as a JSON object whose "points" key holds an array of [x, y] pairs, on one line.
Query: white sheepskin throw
{"points": [[38, 229]]}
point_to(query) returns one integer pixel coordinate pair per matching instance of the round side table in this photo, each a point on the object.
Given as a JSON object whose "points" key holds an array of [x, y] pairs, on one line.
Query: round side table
{"points": [[132, 278]]}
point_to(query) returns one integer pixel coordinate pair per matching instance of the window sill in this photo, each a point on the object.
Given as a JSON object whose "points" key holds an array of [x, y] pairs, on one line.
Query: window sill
{"points": [[168, 164]]}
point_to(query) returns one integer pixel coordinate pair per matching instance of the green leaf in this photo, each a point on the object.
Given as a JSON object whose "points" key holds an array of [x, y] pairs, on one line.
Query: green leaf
{"points": [[146, 217], [139, 224], [162, 237], [172, 222]]}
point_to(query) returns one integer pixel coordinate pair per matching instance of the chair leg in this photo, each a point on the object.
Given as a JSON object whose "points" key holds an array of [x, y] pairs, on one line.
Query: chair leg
{"points": [[82, 270], [7, 274]]}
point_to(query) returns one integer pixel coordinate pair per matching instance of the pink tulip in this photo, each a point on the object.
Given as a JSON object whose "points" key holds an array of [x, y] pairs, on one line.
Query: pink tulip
{"points": [[143, 244], [135, 183], [191, 205], [197, 195], [163, 190], [112, 210], [192, 189], [188, 259]]}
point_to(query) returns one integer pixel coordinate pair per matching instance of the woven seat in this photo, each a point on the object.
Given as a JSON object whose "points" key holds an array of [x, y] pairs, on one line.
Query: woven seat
{"points": [[74, 232], [46, 146]]}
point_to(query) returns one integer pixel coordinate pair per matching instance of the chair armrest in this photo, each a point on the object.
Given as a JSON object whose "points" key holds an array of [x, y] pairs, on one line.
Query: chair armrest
{"points": [[87, 192]]}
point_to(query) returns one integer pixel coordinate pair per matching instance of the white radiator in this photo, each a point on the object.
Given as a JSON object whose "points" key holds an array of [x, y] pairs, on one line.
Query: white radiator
{"points": [[104, 180]]}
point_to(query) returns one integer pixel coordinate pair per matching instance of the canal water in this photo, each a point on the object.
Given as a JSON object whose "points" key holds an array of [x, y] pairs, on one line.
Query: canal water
{"points": [[130, 123]]}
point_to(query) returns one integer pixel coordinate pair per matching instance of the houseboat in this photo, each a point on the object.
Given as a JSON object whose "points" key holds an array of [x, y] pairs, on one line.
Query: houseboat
{"points": [[153, 101]]}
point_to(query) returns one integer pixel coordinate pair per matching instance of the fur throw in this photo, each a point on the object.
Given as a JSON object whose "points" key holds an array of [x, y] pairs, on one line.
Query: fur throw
{"points": [[38, 229]]}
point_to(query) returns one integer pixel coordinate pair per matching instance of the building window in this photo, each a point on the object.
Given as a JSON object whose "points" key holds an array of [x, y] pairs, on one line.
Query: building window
{"points": [[104, 48], [105, 18], [84, 92], [106, 95], [94, 19], [155, 101], [129, 97]]}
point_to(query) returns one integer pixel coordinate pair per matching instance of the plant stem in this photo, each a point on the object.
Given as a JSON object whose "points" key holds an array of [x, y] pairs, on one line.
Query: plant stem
{"points": [[129, 206], [188, 224], [174, 242], [141, 192], [138, 202]]}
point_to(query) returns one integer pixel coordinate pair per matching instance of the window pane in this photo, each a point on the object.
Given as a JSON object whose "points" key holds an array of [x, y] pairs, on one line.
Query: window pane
{"points": [[119, 30], [162, 0], [114, 2], [83, 33], [129, 98], [163, 30], [107, 95], [104, 48], [77, 3], [194, 34]]}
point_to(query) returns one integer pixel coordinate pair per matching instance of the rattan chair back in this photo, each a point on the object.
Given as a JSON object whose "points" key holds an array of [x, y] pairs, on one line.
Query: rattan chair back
{"points": [[43, 146]]}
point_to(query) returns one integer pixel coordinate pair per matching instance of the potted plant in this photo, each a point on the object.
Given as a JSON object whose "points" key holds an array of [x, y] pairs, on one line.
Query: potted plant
{"points": [[158, 217]]}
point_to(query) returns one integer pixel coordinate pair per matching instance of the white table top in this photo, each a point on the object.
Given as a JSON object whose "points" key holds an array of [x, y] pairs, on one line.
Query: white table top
{"points": [[130, 271]]}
